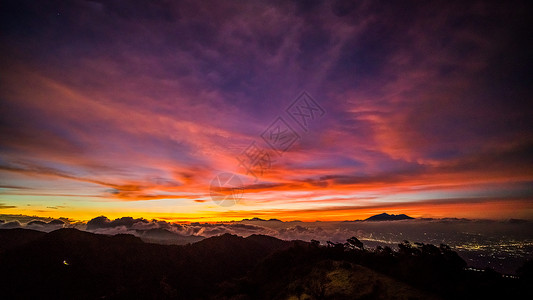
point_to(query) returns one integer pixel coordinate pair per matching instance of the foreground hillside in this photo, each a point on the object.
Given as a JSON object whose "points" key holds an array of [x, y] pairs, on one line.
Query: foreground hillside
{"points": [[76, 264], [73, 264]]}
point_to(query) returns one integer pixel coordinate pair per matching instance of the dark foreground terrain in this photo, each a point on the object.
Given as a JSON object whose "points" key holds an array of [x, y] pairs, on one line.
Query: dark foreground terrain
{"points": [[73, 264]]}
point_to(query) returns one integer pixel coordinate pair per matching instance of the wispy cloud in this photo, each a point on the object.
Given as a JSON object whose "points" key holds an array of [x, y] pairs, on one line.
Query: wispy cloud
{"points": [[129, 102], [2, 206]]}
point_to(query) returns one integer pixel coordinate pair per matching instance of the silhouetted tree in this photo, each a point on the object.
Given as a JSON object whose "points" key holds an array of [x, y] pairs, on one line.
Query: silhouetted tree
{"points": [[354, 243], [407, 249], [384, 250]]}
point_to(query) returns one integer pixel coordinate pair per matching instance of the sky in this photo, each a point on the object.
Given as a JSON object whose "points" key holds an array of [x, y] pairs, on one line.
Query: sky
{"points": [[295, 110]]}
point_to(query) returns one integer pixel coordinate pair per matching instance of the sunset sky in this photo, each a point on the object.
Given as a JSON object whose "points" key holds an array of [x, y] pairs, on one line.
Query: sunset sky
{"points": [[132, 108]]}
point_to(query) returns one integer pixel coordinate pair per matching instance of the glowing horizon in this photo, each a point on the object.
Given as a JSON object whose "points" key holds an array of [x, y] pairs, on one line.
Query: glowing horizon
{"points": [[134, 113]]}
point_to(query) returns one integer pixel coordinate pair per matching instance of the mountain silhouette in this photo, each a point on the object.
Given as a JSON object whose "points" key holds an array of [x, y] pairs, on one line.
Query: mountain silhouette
{"points": [[73, 264], [11, 238], [387, 217], [255, 219]]}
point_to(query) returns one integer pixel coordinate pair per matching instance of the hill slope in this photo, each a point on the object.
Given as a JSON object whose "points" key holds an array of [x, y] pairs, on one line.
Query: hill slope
{"points": [[73, 264], [69, 263]]}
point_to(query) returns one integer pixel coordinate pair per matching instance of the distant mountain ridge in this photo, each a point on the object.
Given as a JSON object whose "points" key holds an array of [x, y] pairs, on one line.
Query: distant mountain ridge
{"points": [[380, 217], [387, 217], [261, 220]]}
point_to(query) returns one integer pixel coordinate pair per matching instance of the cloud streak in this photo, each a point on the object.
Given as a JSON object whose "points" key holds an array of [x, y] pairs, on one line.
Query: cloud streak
{"points": [[124, 109]]}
